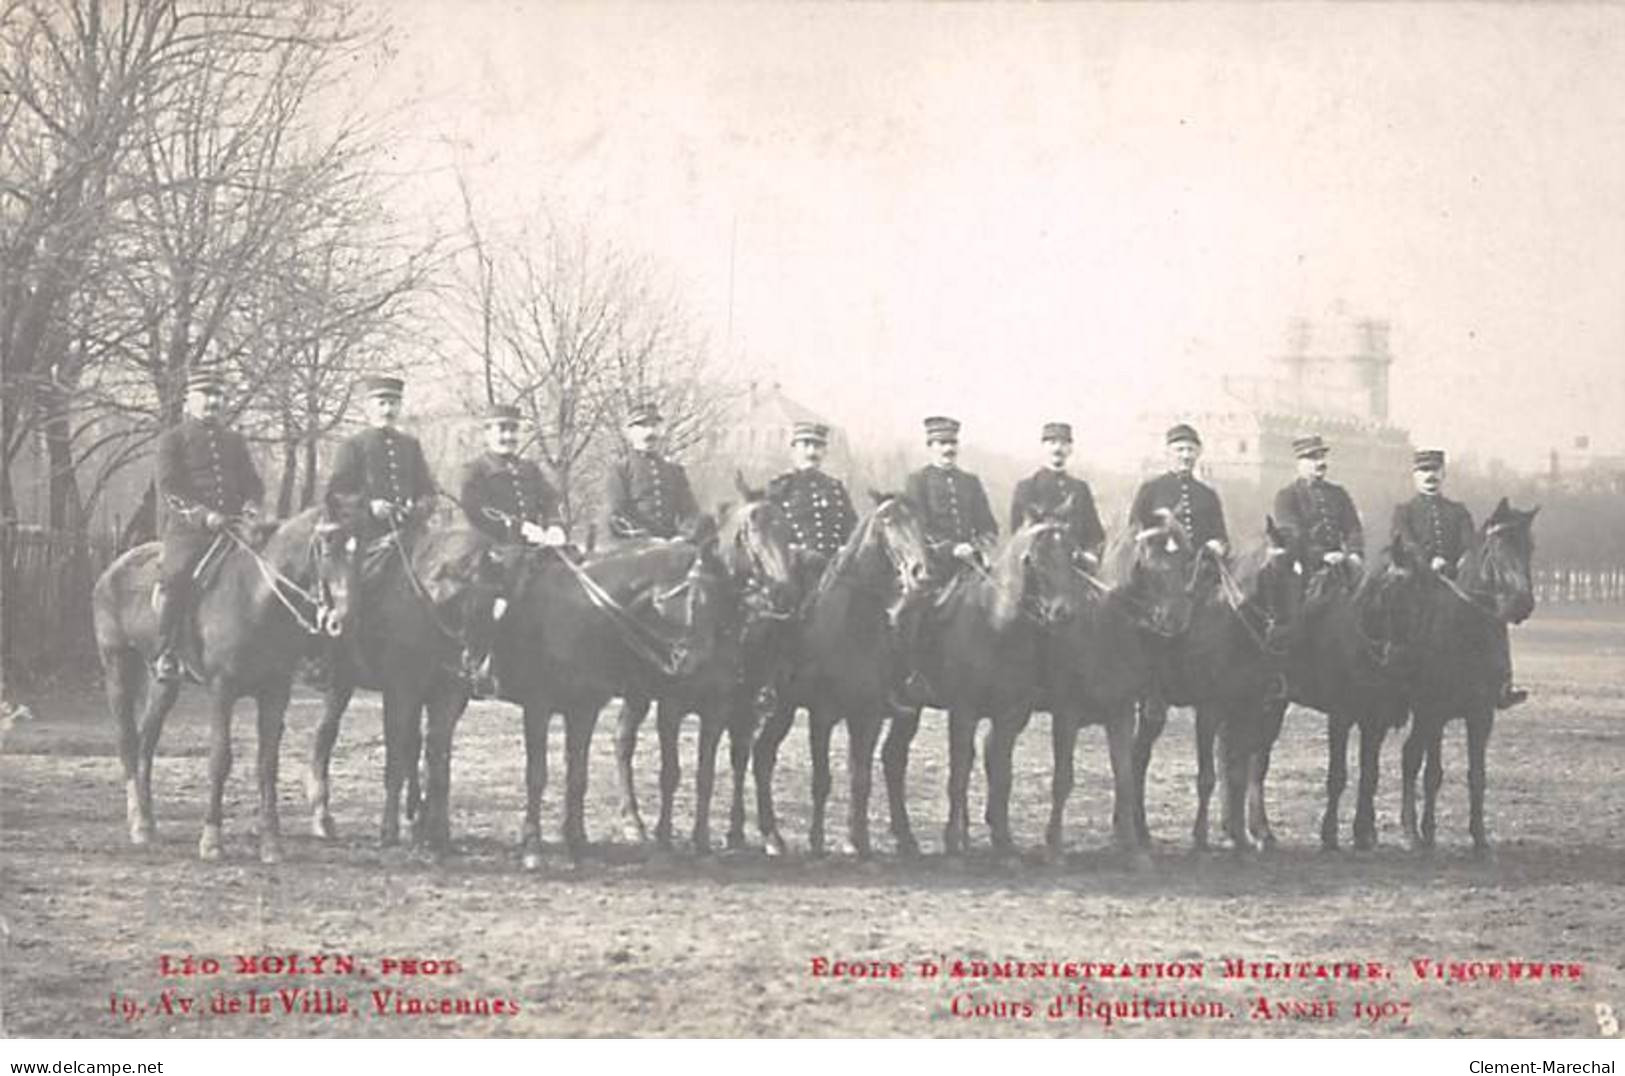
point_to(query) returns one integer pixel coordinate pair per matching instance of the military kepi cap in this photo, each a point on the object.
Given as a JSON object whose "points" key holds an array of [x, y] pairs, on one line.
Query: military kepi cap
{"points": [[1057, 431], [1428, 459], [816, 432], [1310, 446], [644, 414], [499, 414], [378, 385], [205, 381], [941, 428], [1183, 431]]}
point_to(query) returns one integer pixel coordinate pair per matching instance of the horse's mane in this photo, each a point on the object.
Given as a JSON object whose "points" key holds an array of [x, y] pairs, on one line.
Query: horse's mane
{"points": [[1247, 565], [841, 563], [1117, 562]]}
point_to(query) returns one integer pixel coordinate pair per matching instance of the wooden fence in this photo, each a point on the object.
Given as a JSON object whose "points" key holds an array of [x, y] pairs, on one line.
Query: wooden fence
{"points": [[1565, 585], [45, 598]]}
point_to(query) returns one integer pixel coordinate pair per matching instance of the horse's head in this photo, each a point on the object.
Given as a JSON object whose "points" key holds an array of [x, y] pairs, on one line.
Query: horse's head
{"points": [[894, 530], [700, 608], [1042, 551], [1500, 565], [1154, 568], [755, 549], [1273, 580], [335, 559]]}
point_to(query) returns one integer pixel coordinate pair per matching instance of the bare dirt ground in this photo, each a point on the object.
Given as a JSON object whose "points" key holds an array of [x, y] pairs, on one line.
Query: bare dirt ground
{"points": [[636, 942]]}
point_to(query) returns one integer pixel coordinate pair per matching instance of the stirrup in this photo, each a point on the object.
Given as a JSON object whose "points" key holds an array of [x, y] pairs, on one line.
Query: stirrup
{"points": [[166, 668]]}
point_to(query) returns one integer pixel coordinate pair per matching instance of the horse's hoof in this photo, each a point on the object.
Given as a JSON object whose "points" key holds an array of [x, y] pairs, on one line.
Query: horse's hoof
{"points": [[634, 832], [323, 828], [773, 846], [1365, 842], [208, 846], [1267, 843], [531, 860], [1199, 841], [1484, 852], [142, 835], [270, 853], [855, 849]]}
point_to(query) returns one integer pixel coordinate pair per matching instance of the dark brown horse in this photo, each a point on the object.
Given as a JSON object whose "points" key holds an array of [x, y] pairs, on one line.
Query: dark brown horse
{"points": [[406, 645], [1229, 665], [255, 618], [989, 629], [1460, 629], [1099, 664], [650, 619], [754, 547], [842, 669]]}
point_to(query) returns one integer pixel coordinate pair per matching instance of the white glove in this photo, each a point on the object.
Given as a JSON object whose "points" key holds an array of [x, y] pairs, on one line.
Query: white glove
{"points": [[1217, 546], [1090, 561], [531, 532], [213, 520], [380, 508], [964, 551], [1438, 564], [1333, 557], [1354, 559], [554, 536]]}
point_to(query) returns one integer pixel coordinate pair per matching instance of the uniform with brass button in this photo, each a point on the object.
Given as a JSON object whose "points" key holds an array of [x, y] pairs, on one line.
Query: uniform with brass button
{"points": [[816, 505], [1041, 494], [647, 495]]}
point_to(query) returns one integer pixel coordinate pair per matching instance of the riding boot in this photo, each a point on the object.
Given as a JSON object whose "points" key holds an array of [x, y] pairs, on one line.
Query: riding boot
{"points": [[1508, 695], [909, 690], [166, 667]]}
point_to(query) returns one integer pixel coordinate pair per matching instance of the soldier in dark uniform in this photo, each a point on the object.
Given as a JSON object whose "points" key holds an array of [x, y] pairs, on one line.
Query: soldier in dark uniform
{"points": [[205, 479], [1048, 488], [1320, 513], [384, 466], [1439, 532], [507, 497], [959, 524], [960, 531], [1195, 504], [815, 504], [647, 495]]}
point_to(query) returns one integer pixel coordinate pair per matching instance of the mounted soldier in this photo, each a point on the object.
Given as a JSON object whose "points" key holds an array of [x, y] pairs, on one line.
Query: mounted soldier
{"points": [[505, 496], [815, 505], [206, 479], [385, 466], [1194, 503], [1320, 513], [646, 494], [1043, 493], [1438, 532]]}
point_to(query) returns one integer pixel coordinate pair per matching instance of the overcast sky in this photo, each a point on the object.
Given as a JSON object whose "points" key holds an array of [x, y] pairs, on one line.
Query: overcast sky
{"points": [[1013, 214]]}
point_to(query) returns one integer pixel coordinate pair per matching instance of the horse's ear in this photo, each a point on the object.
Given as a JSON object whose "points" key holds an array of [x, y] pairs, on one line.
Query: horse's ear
{"points": [[877, 496], [1276, 537], [703, 530], [744, 488], [1530, 515]]}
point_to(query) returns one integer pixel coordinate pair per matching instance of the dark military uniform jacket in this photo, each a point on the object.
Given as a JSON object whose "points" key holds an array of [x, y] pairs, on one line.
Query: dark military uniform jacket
{"points": [[817, 508], [1043, 492], [1193, 503], [647, 494], [953, 506], [384, 463], [511, 486], [1436, 526], [1323, 515], [202, 467]]}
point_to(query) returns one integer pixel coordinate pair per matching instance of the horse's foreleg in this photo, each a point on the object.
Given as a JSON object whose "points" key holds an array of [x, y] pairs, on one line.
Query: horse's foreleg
{"points": [[713, 718], [1063, 736], [1000, 766], [1127, 788], [1205, 731], [1372, 730], [578, 725], [961, 759], [741, 734], [530, 836], [861, 736], [412, 741], [1235, 746], [669, 723], [1432, 779], [1258, 817], [633, 710], [819, 727], [221, 703], [1153, 717], [1410, 765], [764, 758], [894, 761], [124, 674], [271, 708], [336, 698], [1337, 773], [1479, 726], [445, 709], [396, 763]]}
